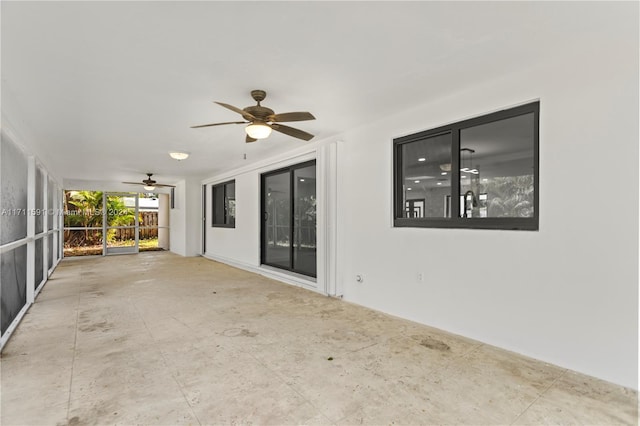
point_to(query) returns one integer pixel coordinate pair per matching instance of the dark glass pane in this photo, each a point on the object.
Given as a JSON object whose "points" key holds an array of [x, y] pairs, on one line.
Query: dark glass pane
{"points": [[13, 194], [218, 205], [39, 212], [426, 177], [304, 223], [230, 203], [50, 251], [50, 206], [497, 168], [13, 288], [278, 220], [39, 265]]}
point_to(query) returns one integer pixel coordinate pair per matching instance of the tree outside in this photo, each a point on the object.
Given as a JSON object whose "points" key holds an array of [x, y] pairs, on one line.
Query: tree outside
{"points": [[85, 210]]}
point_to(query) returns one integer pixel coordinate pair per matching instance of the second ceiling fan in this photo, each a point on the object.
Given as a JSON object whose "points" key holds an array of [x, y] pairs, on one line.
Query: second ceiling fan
{"points": [[261, 120]]}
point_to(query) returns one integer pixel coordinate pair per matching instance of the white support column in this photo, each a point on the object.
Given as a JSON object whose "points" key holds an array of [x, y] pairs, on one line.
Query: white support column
{"points": [[104, 223], [327, 217], [332, 216], [163, 221], [137, 223]]}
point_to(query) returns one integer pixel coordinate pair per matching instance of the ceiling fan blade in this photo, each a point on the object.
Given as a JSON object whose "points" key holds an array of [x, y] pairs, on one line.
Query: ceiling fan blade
{"points": [[249, 139], [164, 185], [291, 116], [296, 133], [134, 183], [244, 114], [218, 124]]}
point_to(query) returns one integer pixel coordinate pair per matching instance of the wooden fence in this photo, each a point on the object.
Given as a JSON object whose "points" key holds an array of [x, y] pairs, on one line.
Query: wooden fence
{"points": [[146, 219]]}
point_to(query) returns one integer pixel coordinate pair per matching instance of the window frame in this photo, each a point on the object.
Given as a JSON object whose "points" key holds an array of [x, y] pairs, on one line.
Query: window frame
{"points": [[223, 187], [502, 223]]}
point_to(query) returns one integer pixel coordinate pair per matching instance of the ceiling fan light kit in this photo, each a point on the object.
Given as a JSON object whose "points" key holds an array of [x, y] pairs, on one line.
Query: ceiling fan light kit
{"points": [[262, 120], [149, 187], [177, 155], [258, 131]]}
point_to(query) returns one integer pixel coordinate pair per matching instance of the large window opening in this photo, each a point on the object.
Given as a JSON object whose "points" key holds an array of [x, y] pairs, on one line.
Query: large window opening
{"points": [[289, 219], [98, 223], [477, 173]]}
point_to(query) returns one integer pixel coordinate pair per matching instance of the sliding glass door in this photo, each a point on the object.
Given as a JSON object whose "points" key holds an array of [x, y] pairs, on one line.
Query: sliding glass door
{"points": [[289, 218]]}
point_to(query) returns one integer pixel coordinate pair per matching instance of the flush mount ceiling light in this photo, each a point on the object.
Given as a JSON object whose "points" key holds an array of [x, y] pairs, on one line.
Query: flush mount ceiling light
{"points": [[258, 130], [421, 159], [177, 155]]}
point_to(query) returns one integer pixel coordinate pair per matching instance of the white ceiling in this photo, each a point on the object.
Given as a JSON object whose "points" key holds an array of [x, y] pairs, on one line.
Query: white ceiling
{"points": [[108, 88]]}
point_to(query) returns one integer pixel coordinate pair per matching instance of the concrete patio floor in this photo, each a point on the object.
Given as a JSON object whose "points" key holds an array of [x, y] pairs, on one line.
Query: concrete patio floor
{"points": [[156, 338]]}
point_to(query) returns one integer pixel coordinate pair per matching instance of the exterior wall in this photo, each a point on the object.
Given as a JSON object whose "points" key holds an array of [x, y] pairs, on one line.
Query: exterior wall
{"points": [[30, 224], [566, 294]]}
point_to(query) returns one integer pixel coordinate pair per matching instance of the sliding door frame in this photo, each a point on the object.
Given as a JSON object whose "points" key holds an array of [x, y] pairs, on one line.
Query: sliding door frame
{"points": [[263, 212]]}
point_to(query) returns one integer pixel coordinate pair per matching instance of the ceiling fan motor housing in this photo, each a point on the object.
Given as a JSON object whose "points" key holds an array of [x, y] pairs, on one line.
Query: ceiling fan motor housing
{"points": [[259, 112]]}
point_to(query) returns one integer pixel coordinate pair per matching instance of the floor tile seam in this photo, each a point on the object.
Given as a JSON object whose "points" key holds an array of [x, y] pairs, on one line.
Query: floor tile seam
{"points": [[282, 380], [540, 395], [167, 364]]}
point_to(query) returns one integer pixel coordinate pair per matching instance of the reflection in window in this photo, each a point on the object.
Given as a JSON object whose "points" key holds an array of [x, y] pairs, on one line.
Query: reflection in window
{"points": [[426, 176], [224, 205], [277, 217], [497, 168], [304, 221], [477, 173], [289, 203]]}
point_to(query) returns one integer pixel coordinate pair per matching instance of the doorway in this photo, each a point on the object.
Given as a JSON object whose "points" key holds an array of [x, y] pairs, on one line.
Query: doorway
{"points": [[288, 231], [121, 223]]}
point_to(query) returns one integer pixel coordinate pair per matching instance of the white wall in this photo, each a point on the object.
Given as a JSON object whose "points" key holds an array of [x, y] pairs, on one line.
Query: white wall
{"points": [[186, 218], [240, 246], [566, 294], [178, 221]]}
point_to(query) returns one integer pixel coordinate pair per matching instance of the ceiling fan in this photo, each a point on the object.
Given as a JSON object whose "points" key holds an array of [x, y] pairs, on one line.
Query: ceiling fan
{"points": [[150, 184], [261, 120]]}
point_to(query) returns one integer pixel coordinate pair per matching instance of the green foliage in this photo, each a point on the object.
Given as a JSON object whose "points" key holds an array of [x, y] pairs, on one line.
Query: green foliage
{"points": [[510, 196], [85, 209]]}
